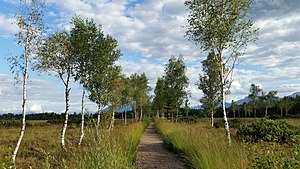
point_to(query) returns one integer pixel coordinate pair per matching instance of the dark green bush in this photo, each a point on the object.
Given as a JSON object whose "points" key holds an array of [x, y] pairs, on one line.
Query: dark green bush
{"points": [[8, 123], [274, 155], [269, 131], [233, 123]]}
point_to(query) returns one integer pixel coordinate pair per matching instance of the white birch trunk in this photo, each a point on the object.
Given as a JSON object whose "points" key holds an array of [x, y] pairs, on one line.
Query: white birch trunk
{"points": [[112, 122], [141, 114], [82, 118], [25, 76], [135, 113], [125, 117], [67, 97], [281, 112], [266, 112], [99, 116], [176, 114], [223, 105], [212, 119]]}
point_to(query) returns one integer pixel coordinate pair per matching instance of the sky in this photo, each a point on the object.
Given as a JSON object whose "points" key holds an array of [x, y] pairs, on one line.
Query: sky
{"points": [[148, 33]]}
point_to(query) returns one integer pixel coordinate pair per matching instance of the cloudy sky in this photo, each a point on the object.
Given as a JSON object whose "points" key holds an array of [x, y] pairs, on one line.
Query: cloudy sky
{"points": [[149, 32]]}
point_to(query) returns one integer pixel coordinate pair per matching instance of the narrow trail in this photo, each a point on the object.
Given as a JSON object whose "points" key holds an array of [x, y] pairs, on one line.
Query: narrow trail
{"points": [[152, 154]]}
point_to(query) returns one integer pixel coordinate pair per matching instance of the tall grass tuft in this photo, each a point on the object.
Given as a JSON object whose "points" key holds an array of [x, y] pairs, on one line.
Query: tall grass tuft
{"points": [[114, 149], [203, 147]]}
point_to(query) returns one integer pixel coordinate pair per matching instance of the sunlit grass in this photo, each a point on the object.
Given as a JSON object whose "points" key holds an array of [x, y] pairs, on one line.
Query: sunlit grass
{"points": [[40, 147], [204, 147]]}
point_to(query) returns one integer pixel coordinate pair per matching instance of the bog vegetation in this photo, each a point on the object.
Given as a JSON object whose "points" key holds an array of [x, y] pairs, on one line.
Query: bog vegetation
{"points": [[108, 138]]}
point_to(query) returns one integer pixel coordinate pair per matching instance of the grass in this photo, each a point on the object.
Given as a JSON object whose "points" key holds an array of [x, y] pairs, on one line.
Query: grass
{"points": [[202, 146], [40, 147]]}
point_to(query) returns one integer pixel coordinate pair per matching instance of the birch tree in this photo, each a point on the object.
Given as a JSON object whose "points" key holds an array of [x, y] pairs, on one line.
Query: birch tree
{"points": [[116, 88], [125, 97], [271, 98], [160, 96], [82, 37], [234, 107], [209, 83], [30, 23], [142, 90], [95, 53], [134, 92], [255, 91], [56, 56], [221, 25], [176, 82]]}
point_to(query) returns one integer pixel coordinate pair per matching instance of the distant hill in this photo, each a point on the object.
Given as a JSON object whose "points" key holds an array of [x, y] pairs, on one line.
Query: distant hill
{"points": [[295, 94], [126, 107]]}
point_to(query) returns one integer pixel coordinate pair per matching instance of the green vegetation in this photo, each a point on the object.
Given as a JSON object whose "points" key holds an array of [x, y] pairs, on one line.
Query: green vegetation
{"points": [[114, 149], [269, 131], [261, 143], [203, 146]]}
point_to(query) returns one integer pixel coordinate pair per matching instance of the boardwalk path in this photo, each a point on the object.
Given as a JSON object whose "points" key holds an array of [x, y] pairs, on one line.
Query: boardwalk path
{"points": [[151, 153]]}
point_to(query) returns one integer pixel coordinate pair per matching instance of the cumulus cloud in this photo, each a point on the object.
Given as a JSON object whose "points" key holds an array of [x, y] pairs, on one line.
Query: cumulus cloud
{"points": [[154, 29], [36, 108], [6, 26]]}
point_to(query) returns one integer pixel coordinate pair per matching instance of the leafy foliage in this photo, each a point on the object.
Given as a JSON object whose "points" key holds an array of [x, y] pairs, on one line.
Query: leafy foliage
{"points": [[269, 156], [269, 131], [176, 82], [209, 83]]}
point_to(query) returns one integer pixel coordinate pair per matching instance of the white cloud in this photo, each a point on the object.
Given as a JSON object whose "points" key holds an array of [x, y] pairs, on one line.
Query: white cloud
{"points": [[6, 26], [36, 108], [153, 30]]}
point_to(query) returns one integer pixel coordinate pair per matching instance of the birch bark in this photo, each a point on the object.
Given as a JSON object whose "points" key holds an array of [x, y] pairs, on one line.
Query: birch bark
{"points": [[82, 118], [25, 76], [67, 100]]}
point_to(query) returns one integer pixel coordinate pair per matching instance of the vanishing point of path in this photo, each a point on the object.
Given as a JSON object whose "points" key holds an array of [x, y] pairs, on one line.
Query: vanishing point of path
{"points": [[152, 154]]}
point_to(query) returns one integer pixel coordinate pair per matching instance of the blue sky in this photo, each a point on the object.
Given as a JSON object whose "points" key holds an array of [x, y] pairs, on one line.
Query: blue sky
{"points": [[149, 32]]}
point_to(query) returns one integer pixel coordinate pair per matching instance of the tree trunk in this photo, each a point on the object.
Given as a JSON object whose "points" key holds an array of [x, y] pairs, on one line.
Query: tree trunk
{"points": [[125, 117], [281, 112], [223, 105], [99, 116], [135, 112], [82, 117], [234, 114], [286, 112], [212, 118], [176, 114], [112, 122], [157, 114], [266, 112], [67, 97], [25, 76], [255, 113], [141, 115]]}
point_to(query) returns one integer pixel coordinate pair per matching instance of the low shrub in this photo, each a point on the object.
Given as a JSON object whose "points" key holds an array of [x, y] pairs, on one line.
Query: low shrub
{"points": [[233, 123], [269, 131], [8, 123], [274, 155]]}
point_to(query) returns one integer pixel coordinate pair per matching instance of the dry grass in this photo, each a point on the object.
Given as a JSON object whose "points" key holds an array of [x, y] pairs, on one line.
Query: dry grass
{"points": [[40, 147], [204, 147]]}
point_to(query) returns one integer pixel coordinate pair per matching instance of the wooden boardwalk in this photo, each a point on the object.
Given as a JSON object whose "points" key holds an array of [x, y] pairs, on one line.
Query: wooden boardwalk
{"points": [[152, 154]]}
